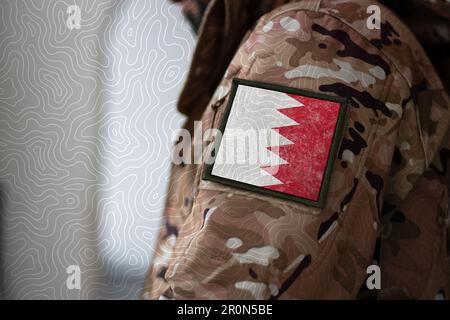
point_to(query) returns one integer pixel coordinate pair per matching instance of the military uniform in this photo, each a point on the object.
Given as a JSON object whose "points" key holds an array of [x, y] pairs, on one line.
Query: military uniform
{"points": [[388, 187]]}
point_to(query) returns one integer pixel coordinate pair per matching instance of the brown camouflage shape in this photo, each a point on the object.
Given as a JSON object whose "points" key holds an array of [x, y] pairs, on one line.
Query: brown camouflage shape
{"points": [[390, 178]]}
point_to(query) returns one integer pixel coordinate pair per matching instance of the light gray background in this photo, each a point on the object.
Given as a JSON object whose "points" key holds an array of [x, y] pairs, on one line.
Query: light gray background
{"points": [[86, 119]]}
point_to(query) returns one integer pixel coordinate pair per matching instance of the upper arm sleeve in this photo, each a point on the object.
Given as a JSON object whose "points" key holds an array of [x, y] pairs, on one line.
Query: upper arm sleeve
{"points": [[237, 244]]}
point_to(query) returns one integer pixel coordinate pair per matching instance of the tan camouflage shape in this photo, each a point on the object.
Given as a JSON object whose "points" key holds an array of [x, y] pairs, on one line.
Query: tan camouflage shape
{"points": [[390, 178]]}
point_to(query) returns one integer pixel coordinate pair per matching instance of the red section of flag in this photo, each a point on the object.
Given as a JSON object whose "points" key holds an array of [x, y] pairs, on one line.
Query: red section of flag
{"points": [[307, 157]]}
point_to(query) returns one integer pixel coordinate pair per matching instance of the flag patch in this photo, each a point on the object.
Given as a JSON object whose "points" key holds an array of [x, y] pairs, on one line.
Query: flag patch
{"points": [[278, 141]]}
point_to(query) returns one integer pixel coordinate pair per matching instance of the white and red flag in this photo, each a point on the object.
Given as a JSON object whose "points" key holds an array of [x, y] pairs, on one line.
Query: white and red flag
{"points": [[277, 140]]}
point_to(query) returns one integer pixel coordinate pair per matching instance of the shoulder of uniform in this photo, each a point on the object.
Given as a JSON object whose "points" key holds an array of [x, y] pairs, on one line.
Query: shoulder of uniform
{"points": [[397, 44]]}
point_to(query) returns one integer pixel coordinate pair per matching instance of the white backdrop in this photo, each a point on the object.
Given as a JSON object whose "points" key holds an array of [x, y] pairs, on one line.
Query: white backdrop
{"points": [[86, 118]]}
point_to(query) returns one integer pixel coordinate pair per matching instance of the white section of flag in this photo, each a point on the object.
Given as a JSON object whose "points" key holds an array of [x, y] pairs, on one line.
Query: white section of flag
{"points": [[248, 134]]}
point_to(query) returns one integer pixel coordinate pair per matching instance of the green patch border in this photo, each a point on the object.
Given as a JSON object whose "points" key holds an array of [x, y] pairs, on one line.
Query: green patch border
{"points": [[337, 137]]}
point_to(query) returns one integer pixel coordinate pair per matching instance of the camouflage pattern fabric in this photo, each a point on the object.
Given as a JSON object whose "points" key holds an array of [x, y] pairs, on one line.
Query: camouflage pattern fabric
{"points": [[390, 179]]}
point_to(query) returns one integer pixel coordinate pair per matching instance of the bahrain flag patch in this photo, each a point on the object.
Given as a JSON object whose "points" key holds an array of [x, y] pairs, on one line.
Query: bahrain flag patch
{"points": [[277, 140]]}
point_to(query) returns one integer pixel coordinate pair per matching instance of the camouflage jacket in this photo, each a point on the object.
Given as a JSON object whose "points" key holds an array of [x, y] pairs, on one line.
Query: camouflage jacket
{"points": [[389, 182]]}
